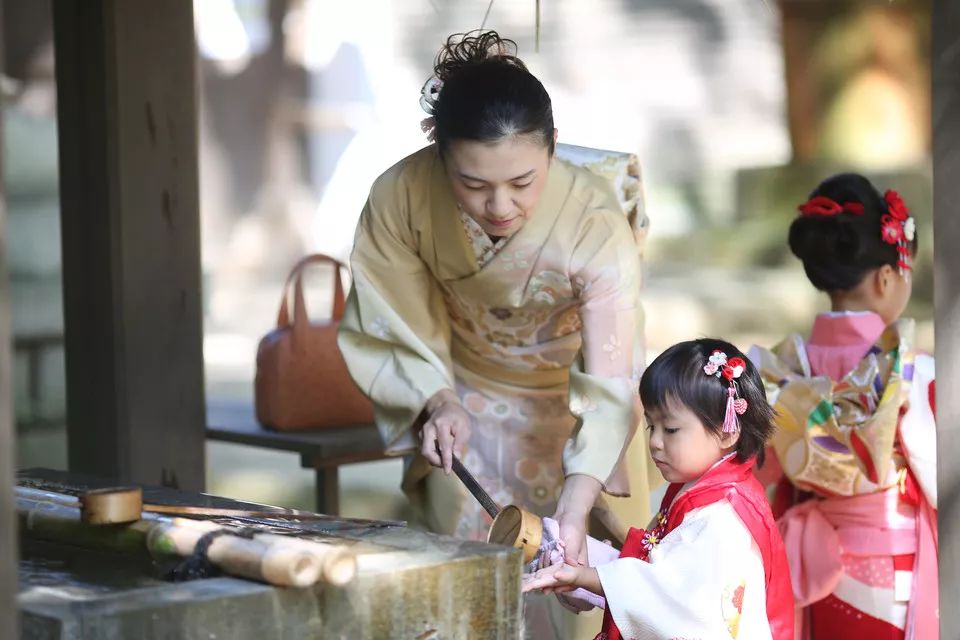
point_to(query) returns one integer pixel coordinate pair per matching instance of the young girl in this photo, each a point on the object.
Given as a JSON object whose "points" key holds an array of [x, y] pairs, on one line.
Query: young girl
{"points": [[711, 563], [854, 407]]}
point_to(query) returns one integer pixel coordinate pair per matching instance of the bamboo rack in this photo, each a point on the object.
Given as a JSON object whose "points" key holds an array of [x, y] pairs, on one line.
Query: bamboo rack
{"points": [[275, 559]]}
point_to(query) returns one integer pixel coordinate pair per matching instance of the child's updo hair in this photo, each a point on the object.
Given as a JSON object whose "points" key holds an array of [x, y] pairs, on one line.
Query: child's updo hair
{"points": [[677, 376], [487, 93], [839, 250]]}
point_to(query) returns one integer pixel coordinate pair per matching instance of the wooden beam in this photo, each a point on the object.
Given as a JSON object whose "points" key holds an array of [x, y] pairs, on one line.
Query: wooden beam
{"points": [[946, 194], [127, 113], [8, 528]]}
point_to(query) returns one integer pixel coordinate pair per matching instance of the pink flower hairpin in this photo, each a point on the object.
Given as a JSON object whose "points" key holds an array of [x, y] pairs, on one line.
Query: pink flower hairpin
{"points": [[728, 369]]}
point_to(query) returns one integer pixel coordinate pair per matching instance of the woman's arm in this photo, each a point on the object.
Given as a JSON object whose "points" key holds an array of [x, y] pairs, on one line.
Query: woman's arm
{"points": [[603, 379], [395, 333], [579, 493]]}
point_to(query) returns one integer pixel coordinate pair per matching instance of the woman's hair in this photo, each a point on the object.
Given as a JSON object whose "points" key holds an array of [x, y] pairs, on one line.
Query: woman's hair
{"points": [[677, 376], [839, 250], [488, 93]]}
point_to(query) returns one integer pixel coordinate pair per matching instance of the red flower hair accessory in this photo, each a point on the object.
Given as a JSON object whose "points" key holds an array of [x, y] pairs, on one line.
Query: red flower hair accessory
{"points": [[895, 205], [898, 228], [824, 206], [718, 365]]}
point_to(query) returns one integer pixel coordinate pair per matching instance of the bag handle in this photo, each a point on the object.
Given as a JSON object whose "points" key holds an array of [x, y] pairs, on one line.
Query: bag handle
{"points": [[299, 306]]}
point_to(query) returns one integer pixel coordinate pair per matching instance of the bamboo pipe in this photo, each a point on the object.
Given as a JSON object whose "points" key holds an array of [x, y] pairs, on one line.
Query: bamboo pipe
{"points": [[248, 558], [338, 564], [268, 557]]}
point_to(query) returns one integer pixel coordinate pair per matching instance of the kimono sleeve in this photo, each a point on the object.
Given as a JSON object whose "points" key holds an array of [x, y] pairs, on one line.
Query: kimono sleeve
{"points": [[704, 580], [604, 376], [918, 428], [395, 334]]}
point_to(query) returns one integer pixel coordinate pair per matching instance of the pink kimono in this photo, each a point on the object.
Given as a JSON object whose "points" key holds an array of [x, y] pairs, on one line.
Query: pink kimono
{"points": [[856, 430]]}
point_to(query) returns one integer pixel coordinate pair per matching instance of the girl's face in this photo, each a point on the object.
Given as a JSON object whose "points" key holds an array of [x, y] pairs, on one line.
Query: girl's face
{"points": [[498, 184], [897, 295], [681, 446]]}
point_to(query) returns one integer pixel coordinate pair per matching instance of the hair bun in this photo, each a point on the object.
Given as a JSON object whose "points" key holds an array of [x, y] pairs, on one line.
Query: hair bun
{"points": [[824, 239], [468, 49]]}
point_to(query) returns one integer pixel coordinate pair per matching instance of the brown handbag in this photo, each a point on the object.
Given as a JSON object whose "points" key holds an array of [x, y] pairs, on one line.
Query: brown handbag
{"points": [[302, 381]]}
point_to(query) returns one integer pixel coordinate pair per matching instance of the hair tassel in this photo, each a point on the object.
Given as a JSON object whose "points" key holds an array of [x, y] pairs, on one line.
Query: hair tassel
{"points": [[730, 422]]}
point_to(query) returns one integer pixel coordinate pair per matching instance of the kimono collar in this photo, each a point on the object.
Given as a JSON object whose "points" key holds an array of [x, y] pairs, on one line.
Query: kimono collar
{"points": [[724, 474], [452, 252], [846, 329]]}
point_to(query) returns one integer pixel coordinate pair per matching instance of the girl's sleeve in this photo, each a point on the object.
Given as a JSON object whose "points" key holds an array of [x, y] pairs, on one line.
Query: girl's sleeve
{"points": [[918, 427], [604, 377], [395, 334], [704, 580]]}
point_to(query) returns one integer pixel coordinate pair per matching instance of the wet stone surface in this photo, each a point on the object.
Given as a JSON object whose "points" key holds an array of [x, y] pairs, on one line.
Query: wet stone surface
{"points": [[409, 584]]}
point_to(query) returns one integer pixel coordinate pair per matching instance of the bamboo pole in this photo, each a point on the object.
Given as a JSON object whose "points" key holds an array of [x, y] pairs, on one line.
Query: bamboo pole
{"points": [[272, 558]]}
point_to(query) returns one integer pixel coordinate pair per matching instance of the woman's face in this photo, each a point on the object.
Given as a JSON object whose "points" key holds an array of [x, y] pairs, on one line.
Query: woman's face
{"points": [[498, 184]]}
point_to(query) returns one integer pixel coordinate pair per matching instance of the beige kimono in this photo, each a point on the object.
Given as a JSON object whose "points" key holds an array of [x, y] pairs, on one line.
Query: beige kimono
{"points": [[540, 336]]}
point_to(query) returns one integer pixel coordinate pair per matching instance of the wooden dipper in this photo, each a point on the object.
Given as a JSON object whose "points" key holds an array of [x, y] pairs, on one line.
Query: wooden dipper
{"points": [[116, 505], [515, 527]]}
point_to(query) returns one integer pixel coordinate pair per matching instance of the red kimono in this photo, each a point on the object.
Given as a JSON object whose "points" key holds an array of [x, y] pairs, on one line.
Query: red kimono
{"points": [[732, 483]]}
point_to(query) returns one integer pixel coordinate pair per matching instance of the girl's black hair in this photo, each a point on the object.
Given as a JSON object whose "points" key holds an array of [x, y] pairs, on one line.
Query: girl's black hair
{"points": [[839, 250], [488, 93], [677, 376]]}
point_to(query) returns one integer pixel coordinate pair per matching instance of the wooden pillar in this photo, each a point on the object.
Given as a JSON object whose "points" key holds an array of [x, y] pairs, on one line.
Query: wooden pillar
{"points": [[946, 196], [127, 114], [8, 520]]}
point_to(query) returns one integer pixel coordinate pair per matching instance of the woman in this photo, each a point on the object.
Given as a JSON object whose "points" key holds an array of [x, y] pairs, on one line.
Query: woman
{"points": [[496, 303]]}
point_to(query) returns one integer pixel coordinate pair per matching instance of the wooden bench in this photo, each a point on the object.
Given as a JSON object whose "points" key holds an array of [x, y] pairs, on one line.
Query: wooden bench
{"points": [[325, 451]]}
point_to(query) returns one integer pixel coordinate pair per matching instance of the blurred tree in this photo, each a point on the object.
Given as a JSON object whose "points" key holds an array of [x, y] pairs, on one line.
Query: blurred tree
{"points": [[858, 80]]}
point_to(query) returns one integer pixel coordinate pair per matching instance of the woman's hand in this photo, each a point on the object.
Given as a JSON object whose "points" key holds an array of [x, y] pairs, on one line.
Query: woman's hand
{"points": [[446, 431], [573, 534], [579, 493]]}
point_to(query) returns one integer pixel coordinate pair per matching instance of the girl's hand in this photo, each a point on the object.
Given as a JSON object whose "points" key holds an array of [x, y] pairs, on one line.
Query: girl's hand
{"points": [[558, 577], [446, 431], [561, 578]]}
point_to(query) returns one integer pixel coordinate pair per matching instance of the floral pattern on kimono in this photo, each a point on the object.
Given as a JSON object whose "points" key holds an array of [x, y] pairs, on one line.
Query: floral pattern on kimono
{"points": [[484, 247]]}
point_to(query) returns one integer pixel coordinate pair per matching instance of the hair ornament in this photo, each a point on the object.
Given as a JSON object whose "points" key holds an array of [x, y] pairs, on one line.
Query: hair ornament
{"points": [[897, 226], [728, 369], [824, 206], [429, 95], [428, 125]]}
